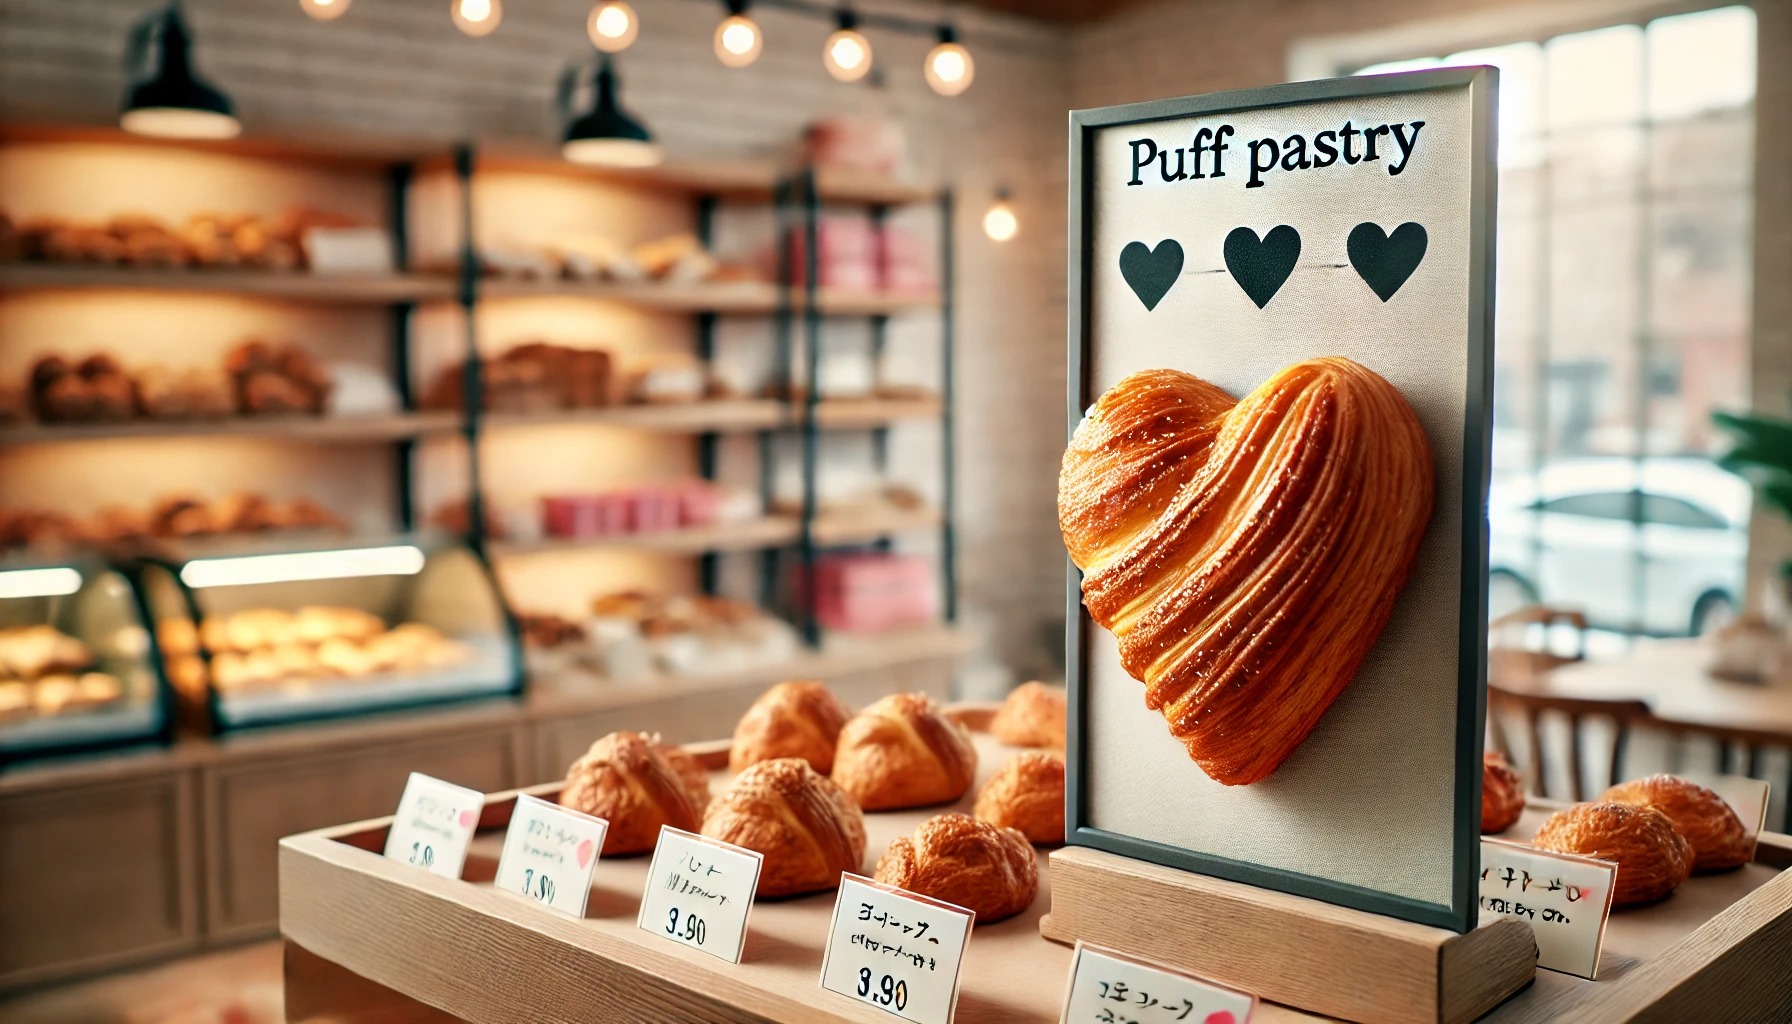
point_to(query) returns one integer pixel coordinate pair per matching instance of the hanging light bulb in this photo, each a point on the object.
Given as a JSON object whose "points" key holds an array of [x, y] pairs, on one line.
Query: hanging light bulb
{"points": [[738, 39], [847, 53], [613, 26], [478, 17], [1000, 223], [606, 136], [172, 101], [324, 10], [949, 68]]}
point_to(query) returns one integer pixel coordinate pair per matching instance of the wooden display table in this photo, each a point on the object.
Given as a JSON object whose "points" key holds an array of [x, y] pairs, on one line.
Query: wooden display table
{"points": [[370, 939]]}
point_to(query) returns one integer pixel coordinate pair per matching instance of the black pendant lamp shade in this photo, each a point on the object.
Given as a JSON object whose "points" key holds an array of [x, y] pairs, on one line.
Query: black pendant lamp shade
{"points": [[172, 101], [607, 135]]}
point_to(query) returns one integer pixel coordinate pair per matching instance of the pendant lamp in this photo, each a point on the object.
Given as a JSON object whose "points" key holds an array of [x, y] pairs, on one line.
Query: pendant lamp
{"points": [[607, 136], [172, 101]]}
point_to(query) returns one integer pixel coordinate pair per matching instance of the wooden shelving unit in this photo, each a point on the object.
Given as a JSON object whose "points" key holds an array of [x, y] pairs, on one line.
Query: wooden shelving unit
{"points": [[748, 535], [297, 428], [300, 286]]}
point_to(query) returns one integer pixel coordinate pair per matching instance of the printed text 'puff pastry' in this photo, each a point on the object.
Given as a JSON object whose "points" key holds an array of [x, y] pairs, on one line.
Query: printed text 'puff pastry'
{"points": [[1246, 554]]}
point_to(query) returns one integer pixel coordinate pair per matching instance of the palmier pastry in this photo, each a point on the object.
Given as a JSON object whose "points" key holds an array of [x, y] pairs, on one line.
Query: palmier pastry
{"points": [[625, 781], [790, 720], [1032, 716], [902, 752], [971, 863], [1027, 795], [1245, 555], [1719, 840], [1652, 856], [1502, 793], [690, 772], [806, 826]]}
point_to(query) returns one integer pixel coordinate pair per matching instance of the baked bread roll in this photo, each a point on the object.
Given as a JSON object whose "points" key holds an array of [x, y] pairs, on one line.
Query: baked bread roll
{"points": [[1653, 858], [625, 781], [806, 826], [1502, 793], [1032, 716], [903, 752], [971, 863], [1247, 554], [1027, 795], [690, 771], [1719, 840], [790, 720]]}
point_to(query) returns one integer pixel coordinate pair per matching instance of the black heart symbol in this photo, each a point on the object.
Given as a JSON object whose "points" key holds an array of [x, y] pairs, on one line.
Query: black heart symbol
{"points": [[1386, 261], [1260, 267], [1151, 273]]}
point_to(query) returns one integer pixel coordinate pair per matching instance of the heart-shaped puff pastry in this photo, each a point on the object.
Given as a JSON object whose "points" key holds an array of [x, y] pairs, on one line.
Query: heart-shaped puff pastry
{"points": [[1247, 554]]}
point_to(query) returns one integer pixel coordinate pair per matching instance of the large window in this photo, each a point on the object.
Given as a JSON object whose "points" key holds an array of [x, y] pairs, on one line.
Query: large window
{"points": [[1623, 317]]}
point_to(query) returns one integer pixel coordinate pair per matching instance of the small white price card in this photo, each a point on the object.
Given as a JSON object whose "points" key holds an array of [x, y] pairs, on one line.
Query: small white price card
{"points": [[897, 950], [699, 891], [1565, 899], [550, 853], [434, 825], [1111, 988]]}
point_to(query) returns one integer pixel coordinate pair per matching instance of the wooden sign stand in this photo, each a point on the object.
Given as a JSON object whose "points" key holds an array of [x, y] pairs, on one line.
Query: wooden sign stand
{"points": [[1287, 949]]}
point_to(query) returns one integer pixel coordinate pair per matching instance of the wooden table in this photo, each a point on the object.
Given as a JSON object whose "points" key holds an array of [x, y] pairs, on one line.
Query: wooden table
{"points": [[1669, 676]]}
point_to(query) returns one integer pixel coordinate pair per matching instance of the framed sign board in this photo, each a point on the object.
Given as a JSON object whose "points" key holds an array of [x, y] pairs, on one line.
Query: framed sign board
{"points": [[1281, 313]]}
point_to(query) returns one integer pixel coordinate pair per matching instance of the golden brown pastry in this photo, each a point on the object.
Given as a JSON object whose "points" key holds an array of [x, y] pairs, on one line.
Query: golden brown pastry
{"points": [[690, 772], [790, 720], [1032, 716], [902, 752], [625, 781], [1027, 795], [1247, 554], [1653, 858], [1719, 840], [1502, 793], [970, 863], [806, 826]]}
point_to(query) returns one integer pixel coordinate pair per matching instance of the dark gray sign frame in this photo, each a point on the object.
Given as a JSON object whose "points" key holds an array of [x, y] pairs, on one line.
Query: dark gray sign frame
{"points": [[1471, 698]]}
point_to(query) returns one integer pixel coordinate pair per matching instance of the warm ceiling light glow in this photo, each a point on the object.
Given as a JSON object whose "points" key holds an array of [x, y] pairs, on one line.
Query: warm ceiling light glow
{"points": [[738, 41], [478, 17], [608, 136], [180, 123], [1000, 223], [39, 582], [169, 98], [613, 26], [397, 560], [612, 152], [949, 68], [324, 10], [847, 55]]}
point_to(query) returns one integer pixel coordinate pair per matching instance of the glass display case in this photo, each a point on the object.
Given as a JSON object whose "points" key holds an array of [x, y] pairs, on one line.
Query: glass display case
{"points": [[256, 636], [78, 669]]}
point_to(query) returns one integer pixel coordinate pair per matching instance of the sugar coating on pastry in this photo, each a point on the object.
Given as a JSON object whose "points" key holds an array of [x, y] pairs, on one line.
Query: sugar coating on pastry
{"points": [[1027, 794], [1246, 555], [1502, 793], [971, 863], [796, 719], [625, 781], [1653, 858], [1719, 840], [1033, 716], [806, 826], [904, 752]]}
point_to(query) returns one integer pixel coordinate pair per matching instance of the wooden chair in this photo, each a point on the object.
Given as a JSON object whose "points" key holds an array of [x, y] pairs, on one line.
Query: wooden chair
{"points": [[1518, 642], [1624, 714]]}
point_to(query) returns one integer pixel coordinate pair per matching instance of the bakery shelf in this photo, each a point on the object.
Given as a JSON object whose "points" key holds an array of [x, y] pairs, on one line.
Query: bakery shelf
{"points": [[684, 417], [766, 532], [298, 428], [299, 285], [748, 180], [849, 302], [855, 413], [746, 297], [859, 526]]}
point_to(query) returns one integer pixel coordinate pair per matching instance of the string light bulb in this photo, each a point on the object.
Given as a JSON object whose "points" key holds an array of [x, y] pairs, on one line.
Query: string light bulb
{"points": [[478, 17], [847, 53], [949, 68], [1000, 223], [324, 10], [612, 26], [738, 38]]}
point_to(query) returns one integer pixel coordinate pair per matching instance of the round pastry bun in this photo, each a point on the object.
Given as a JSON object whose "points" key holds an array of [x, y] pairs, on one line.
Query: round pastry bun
{"points": [[963, 861], [806, 826], [1719, 840], [1027, 795], [1502, 794], [795, 719], [1653, 858], [626, 781], [904, 752], [1033, 716]]}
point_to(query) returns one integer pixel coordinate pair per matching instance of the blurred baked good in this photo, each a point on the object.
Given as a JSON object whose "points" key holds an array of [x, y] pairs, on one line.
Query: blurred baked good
{"points": [[806, 826], [1033, 716], [277, 379], [1719, 840], [531, 377], [795, 719], [903, 752], [1653, 858], [627, 782], [1502, 793], [1027, 795], [34, 652], [963, 861]]}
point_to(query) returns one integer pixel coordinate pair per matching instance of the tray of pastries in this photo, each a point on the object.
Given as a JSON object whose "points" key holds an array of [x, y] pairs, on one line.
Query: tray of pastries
{"points": [[44, 672]]}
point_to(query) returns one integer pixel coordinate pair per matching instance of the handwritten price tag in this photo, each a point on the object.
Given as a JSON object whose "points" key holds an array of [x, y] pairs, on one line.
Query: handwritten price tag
{"points": [[550, 853], [1565, 899], [434, 825], [897, 950], [699, 891], [1111, 988]]}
